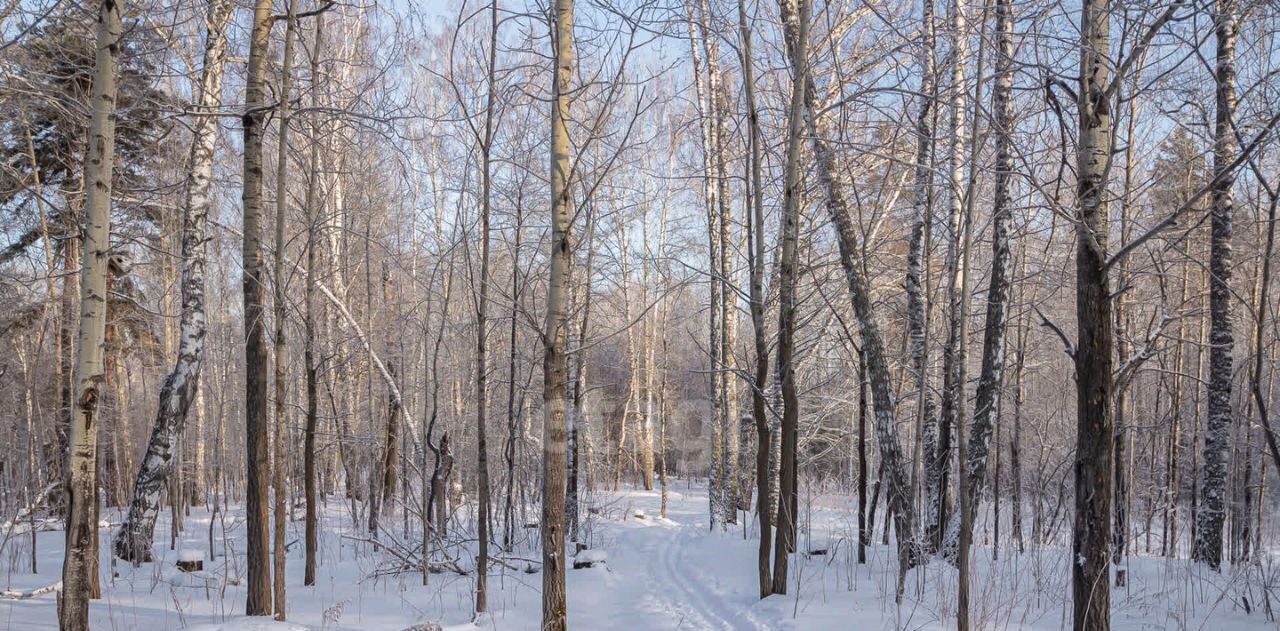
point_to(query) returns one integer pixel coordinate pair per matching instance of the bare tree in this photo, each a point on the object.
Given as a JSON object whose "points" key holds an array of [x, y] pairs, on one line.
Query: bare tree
{"points": [[257, 423], [80, 564], [1207, 547], [554, 395], [133, 540], [1090, 577]]}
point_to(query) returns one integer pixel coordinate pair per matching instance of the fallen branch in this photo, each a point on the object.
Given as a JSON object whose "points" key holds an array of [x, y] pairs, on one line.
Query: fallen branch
{"points": [[31, 593]]}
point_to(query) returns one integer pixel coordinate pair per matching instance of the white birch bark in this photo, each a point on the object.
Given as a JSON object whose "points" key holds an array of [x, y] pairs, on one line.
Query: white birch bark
{"points": [[1207, 547], [133, 540]]}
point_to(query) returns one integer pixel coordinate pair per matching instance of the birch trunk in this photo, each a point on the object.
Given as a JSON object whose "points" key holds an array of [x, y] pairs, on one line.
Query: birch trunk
{"points": [[133, 540], [938, 474], [1207, 547], [707, 85], [894, 476], [917, 255], [991, 378], [796, 16], [1091, 535]]}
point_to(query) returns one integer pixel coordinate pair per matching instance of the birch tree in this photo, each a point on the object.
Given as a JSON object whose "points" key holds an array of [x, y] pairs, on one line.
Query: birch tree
{"points": [[1207, 547], [1091, 535], [133, 540], [990, 380]]}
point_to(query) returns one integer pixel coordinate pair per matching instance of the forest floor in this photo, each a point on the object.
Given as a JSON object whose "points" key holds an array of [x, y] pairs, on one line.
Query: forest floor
{"points": [[660, 574]]}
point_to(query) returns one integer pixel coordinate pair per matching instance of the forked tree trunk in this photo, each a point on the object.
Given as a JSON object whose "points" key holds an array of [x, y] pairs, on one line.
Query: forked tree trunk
{"points": [[991, 378], [894, 475], [917, 248], [755, 252], [954, 352], [796, 16], [80, 560], [133, 540]]}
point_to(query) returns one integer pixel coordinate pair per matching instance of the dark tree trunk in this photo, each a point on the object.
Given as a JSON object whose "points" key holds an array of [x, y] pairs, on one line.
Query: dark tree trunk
{"points": [[257, 418], [1091, 539], [1207, 547]]}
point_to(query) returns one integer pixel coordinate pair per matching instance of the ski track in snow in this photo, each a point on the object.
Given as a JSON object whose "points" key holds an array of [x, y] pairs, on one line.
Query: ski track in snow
{"points": [[672, 577], [661, 574]]}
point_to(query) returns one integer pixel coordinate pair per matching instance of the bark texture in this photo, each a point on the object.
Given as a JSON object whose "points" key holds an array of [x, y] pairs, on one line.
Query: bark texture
{"points": [[80, 564], [133, 540], [991, 378], [788, 262], [257, 420], [1091, 535], [1207, 547], [554, 364]]}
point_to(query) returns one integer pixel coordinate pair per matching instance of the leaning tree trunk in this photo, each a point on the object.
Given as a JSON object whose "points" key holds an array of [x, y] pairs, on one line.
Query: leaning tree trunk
{"points": [[80, 561], [1207, 547], [133, 540], [892, 462], [990, 380], [556, 331], [1091, 535], [257, 420]]}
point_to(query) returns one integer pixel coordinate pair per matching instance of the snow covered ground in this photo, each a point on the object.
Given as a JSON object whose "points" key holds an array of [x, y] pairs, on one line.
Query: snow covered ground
{"points": [[657, 574]]}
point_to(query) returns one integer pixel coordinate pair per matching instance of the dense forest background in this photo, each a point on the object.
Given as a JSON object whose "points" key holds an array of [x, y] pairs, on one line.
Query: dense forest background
{"points": [[997, 272]]}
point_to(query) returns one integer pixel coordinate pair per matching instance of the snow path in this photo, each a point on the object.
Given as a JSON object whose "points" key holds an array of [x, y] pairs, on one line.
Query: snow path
{"points": [[661, 574], [657, 576]]}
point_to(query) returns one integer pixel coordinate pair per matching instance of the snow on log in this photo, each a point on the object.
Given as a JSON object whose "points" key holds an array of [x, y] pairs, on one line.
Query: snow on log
{"points": [[589, 558]]}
